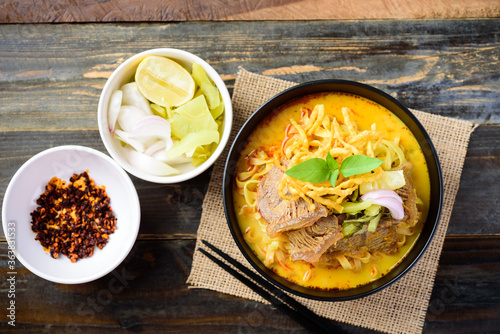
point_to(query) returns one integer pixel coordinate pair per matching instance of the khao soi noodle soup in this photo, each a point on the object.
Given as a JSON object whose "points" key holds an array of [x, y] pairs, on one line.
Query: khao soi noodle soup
{"points": [[331, 191]]}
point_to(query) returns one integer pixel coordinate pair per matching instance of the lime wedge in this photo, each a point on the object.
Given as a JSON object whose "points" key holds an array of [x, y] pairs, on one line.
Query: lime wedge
{"points": [[164, 82]]}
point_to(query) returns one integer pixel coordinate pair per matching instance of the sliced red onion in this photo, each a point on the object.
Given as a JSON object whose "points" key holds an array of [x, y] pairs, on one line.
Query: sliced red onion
{"points": [[114, 109], [125, 137], [381, 193], [129, 116], [155, 147], [133, 97], [148, 164], [396, 208], [162, 156], [152, 127]]}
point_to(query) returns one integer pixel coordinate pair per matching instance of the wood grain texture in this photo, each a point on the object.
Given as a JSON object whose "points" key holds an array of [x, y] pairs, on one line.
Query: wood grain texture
{"points": [[147, 293], [478, 198], [25, 11], [52, 75], [466, 270], [174, 211]]}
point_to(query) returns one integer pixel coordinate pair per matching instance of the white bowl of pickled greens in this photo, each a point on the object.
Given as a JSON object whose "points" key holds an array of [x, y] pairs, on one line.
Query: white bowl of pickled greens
{"points": [[165, 115]]}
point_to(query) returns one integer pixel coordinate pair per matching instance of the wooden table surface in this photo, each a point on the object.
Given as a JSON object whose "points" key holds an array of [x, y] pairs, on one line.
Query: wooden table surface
{"points": [[51, 76]]}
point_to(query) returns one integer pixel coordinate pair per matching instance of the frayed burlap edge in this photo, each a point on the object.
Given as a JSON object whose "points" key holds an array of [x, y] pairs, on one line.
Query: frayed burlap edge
{"points": [[400, 308]]}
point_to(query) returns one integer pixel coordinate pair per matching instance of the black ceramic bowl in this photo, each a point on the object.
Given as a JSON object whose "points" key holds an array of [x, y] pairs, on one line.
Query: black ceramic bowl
{"points": [[434, 172]]}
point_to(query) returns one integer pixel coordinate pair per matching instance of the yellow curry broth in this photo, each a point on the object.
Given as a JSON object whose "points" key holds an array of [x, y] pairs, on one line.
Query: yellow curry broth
{"points": [[270, 134]]}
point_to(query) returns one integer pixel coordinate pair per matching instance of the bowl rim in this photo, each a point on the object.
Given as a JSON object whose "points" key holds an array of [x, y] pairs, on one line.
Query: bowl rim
{"points": [[228, 116], [117, 168], [369, 288]]}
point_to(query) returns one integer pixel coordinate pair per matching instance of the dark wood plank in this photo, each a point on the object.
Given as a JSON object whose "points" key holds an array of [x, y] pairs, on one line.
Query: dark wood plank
{"points": [[174, 211], [147, 293], [15, 11], [477, 204], [52, 75], [464, 299]]}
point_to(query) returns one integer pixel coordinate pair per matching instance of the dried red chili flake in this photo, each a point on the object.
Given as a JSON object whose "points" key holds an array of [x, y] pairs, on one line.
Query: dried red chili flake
{"points": [[71, 219]]}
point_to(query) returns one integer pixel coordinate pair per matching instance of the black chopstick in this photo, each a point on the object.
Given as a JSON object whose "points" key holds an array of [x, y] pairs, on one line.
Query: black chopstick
{"points": [[296, 310], [267, 296]]}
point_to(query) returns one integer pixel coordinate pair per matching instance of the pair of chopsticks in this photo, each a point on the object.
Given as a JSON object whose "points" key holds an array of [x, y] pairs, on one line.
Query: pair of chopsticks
{"points": [[310, 320]]}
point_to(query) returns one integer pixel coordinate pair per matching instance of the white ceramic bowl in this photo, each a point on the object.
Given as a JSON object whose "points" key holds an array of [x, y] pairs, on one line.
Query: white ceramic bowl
{"points": [[124, 74], [29, 183]]}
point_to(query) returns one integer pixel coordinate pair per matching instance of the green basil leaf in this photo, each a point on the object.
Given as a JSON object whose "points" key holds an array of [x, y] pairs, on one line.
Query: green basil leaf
{"points": [[314, 170], [358, 164], [333, 177], [331, 162]]}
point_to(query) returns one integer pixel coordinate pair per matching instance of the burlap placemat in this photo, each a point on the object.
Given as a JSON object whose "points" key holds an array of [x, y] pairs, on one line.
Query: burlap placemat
{"points": [[400, 308]]}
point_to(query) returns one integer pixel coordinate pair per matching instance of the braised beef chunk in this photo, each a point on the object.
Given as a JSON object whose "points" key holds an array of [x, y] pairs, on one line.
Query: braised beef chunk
{"points": [[409, 196], [384, 239], [309, 243], [354, 245], [284, 215]]}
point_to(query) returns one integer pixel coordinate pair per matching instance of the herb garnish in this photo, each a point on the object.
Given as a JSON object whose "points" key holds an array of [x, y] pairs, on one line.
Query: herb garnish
{"points": [[317, 170]]}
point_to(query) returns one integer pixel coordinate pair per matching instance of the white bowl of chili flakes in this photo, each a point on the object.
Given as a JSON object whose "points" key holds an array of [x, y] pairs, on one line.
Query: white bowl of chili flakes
{"points": [[111, 227]]}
